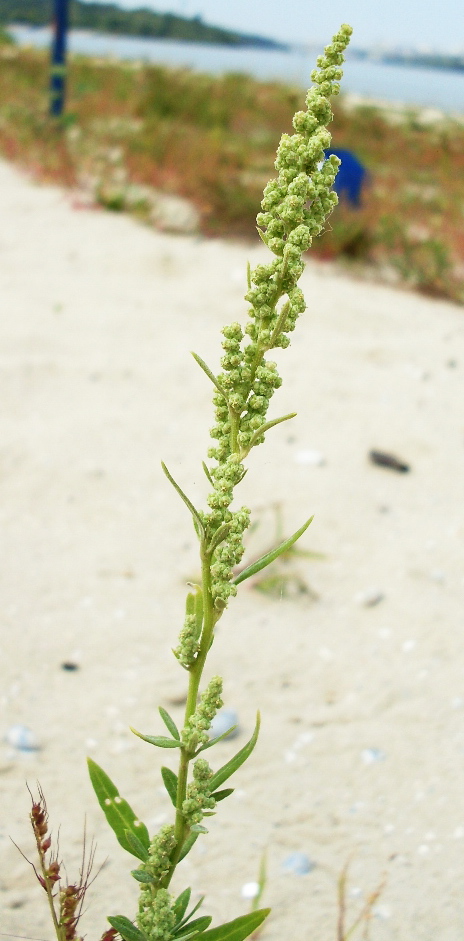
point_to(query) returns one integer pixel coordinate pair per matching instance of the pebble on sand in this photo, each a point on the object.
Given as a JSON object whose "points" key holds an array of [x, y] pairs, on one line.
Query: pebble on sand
{"points": [[22, 738], [298, 864], [369, 598], [225, 719]]}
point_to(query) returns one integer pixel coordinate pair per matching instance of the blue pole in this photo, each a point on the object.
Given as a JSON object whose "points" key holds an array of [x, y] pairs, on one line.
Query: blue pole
{"points": [[58, 58]]}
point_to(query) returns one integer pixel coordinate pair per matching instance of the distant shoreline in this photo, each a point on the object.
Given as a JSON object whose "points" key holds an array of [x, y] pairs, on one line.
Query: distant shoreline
{"points": [[141, 23]]}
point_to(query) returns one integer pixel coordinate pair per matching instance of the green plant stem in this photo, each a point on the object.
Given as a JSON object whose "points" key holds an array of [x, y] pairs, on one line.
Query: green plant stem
{"points": [[210, 617]]}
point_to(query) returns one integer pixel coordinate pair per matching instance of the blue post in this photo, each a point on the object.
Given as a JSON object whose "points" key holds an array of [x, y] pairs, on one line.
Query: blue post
{"points": [[58, 58]]}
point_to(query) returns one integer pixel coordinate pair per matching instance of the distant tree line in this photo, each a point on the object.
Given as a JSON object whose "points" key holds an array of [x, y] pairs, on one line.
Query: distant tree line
{"points": [[427, 60], [110, 18]]}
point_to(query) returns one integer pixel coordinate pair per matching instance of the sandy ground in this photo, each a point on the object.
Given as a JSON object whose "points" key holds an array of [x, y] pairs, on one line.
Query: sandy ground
{"points": [[362, 748]]}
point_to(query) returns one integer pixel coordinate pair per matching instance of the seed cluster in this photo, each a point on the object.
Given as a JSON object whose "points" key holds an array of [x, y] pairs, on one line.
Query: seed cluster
{"points": [[198, 798], [156, 917], [159, 853], [188, 646], [195, 732], [294, 209]]}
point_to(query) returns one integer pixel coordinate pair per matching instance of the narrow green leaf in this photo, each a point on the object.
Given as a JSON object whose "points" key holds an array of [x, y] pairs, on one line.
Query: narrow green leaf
{"points": [[238, 759], [191, 839], [207, 473], [269, 557], [249, 275], [267, 425], [159, 740], [184, 497], [170, 783], [141, 876], [169, 723], [219, 536], [197, 828], [136, 846], [210, 374], [280, 325], [118, 813], [238, 929], [191, 914], [126, 928], [195, 926], [217, 739], [181, 905], [221, 795]]}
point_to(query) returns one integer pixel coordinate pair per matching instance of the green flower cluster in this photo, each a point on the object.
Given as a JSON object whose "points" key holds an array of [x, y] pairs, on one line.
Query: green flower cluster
{"points": [[198, 798], [156, 917], [159, 853], [195, 732], [189, 643], [294, 209]]}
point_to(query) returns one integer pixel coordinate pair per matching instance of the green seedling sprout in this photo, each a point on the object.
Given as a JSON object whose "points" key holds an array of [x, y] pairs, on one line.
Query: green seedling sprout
{"points": [[294, 209]]}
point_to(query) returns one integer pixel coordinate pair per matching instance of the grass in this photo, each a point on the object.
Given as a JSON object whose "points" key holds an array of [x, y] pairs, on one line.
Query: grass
{"points": [[213, 139]]}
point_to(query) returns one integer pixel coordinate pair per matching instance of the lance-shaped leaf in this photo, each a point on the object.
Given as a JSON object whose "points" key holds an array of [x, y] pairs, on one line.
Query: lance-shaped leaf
{"points": [[170, 782], [219, 536], [169, 723], [159, 740], [221, 795], [225, 772], [136, 846], [238, 929], [184, 497], [210, 374], [126, 928], [194, 927], [191, 913], [191, 839], [207, 473], [217, 739], [118, 813], [180, 906], [271, 556], [267, 425]]}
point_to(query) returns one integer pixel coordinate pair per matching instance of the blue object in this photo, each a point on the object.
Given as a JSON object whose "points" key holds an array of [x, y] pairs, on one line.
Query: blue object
{"points": [[350, 177], [58, 57], [298, 864]]}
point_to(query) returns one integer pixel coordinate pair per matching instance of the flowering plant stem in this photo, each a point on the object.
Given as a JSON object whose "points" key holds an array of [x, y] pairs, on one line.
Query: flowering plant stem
{"points": [[294, 209]]}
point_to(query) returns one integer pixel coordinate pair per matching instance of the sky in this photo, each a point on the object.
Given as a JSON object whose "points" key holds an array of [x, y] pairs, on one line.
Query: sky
{"points": [[404, 23]]}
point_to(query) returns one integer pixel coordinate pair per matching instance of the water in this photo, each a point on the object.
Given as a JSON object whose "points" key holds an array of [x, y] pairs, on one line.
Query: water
{"points": [[432, 88]]}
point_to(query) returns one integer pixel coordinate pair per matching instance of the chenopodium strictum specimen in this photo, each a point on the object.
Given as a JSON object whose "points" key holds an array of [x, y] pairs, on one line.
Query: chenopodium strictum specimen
{"points": [[294, 209]]}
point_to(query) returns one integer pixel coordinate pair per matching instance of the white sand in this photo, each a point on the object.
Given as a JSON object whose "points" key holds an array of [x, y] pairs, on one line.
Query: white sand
{"points": [[96, 387]]}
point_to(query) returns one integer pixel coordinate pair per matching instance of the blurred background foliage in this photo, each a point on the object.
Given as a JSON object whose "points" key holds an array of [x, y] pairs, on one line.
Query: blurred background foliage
{"points": [[212, 139]]}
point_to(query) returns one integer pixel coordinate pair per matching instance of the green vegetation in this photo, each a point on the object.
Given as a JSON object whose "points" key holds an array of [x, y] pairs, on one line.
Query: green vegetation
{"points": [[110, 18], [294, 208], [131, 129]]}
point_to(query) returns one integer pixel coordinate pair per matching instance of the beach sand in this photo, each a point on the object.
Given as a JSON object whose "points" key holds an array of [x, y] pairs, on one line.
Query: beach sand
{"points": [[361, 753]]}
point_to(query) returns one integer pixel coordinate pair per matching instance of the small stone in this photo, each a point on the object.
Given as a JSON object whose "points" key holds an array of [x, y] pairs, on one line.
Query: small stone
{"points": [[369, 598], [69, 666], [382, 459], [371, 755], [310, 458], [250, 890], [224, 720], [22, 738], [298, 864]]}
